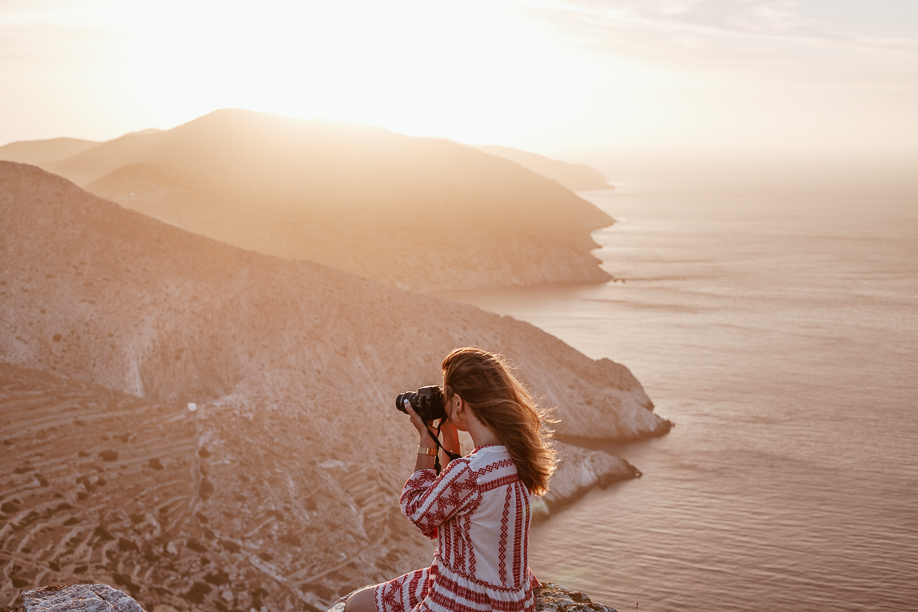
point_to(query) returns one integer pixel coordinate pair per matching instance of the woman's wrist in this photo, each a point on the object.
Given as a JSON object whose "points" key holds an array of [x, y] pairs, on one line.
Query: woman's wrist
{"points": [[427, 440], [426, 460]]}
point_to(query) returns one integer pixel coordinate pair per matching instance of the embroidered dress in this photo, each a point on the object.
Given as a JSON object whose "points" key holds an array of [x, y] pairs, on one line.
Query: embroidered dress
{"points": [[478, 511]]}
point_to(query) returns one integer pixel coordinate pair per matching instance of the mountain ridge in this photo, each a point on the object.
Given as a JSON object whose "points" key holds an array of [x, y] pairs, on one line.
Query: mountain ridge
{"points": [[576, 177], [46, 151], [416, 213]]}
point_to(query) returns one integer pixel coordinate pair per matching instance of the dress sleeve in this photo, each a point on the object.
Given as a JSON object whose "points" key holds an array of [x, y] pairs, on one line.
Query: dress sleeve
{"points": [[429, 501]]}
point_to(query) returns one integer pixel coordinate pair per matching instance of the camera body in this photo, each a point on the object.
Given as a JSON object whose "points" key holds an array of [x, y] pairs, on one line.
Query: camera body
{"points": [[429, 402]]}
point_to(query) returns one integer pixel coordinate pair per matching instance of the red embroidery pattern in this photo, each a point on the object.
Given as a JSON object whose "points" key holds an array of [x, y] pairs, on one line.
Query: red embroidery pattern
{"points": [[499, 482], [502, 546], [392, 596], [522, 518], [472, 561], [496, 466]]}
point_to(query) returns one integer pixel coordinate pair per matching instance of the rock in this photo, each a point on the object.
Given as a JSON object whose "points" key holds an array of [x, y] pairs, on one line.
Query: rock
{"points": [[555, 598], [581, 469], [549, 598], [78, 598]]}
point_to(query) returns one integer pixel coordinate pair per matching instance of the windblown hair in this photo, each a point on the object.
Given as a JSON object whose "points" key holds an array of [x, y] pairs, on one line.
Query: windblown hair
{"points": [[501, 402]]}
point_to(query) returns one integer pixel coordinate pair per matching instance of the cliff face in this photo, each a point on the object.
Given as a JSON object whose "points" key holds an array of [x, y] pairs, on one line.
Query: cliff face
{"points": [[284, 479], [417, 213]]}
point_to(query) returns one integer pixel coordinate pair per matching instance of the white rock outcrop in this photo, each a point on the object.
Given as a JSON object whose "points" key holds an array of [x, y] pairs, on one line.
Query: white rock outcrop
{"points": [[582, 469]]}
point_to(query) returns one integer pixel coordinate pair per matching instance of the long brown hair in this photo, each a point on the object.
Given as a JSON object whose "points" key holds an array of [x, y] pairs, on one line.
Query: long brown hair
{"points": [[502, 403]]}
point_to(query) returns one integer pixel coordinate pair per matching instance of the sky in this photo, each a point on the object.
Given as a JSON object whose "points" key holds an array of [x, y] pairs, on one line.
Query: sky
{"points": [[572, 79]]}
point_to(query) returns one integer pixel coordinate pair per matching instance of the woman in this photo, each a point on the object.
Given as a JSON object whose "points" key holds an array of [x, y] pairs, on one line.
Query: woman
{"points": [[478, 507]]}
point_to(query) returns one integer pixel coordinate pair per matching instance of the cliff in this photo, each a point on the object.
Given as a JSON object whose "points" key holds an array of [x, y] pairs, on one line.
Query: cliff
{"points": [[417, 213], [114, 323]]}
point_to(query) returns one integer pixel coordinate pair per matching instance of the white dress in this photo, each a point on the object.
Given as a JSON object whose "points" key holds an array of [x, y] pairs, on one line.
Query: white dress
{"points": [[478, 511]]}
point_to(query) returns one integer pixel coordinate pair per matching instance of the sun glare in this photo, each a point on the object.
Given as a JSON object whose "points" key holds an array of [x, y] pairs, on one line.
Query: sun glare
{"points": [[544, 75], [473, 72]]}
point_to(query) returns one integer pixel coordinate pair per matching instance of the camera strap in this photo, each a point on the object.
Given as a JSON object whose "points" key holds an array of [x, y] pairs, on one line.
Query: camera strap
{"points": [[452, 456]]}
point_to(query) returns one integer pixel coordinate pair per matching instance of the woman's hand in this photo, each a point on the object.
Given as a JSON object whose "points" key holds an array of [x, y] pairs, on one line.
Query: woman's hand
{"points": [[424, 429]]}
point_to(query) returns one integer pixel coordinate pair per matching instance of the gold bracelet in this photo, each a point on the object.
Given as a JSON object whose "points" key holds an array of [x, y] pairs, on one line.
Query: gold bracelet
{"points": [[423, 450]]}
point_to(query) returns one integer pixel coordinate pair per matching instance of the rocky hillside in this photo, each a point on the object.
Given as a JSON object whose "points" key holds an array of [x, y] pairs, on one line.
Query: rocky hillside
{"points": [[91, 290], [294, 446], [419, 213]]}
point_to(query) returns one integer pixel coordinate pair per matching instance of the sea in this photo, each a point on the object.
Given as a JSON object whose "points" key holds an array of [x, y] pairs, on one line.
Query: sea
{"points": [[779, 332]]}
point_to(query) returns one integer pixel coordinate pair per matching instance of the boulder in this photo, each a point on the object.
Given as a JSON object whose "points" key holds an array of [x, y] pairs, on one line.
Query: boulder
{"points": [[555, 598], [78, 598]]}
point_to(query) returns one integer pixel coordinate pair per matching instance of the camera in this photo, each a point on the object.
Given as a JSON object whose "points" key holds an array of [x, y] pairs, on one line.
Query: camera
{"points": [[428, 402]]}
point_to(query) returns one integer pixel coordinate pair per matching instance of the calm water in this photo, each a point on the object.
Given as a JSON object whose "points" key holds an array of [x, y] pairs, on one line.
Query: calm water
{"points": [[781, 335]]}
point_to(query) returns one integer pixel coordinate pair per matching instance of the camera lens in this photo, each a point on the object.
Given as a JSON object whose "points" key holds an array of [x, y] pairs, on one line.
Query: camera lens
{"points": [[407, 395]]}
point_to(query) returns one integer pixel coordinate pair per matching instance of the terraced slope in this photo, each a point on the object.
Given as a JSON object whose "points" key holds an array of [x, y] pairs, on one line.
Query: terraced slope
{"points": [[96, 485], [101, 486]]}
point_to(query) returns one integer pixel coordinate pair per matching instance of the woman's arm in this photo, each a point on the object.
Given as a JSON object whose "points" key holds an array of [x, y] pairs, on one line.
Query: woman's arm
{"points": [[429, 500], [423, 462]]}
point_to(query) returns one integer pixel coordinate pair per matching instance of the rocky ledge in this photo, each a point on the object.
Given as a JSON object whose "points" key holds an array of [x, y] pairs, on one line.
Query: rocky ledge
{"points": [[77, 597], [555, 598], [103, 598], [549, 597]]}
